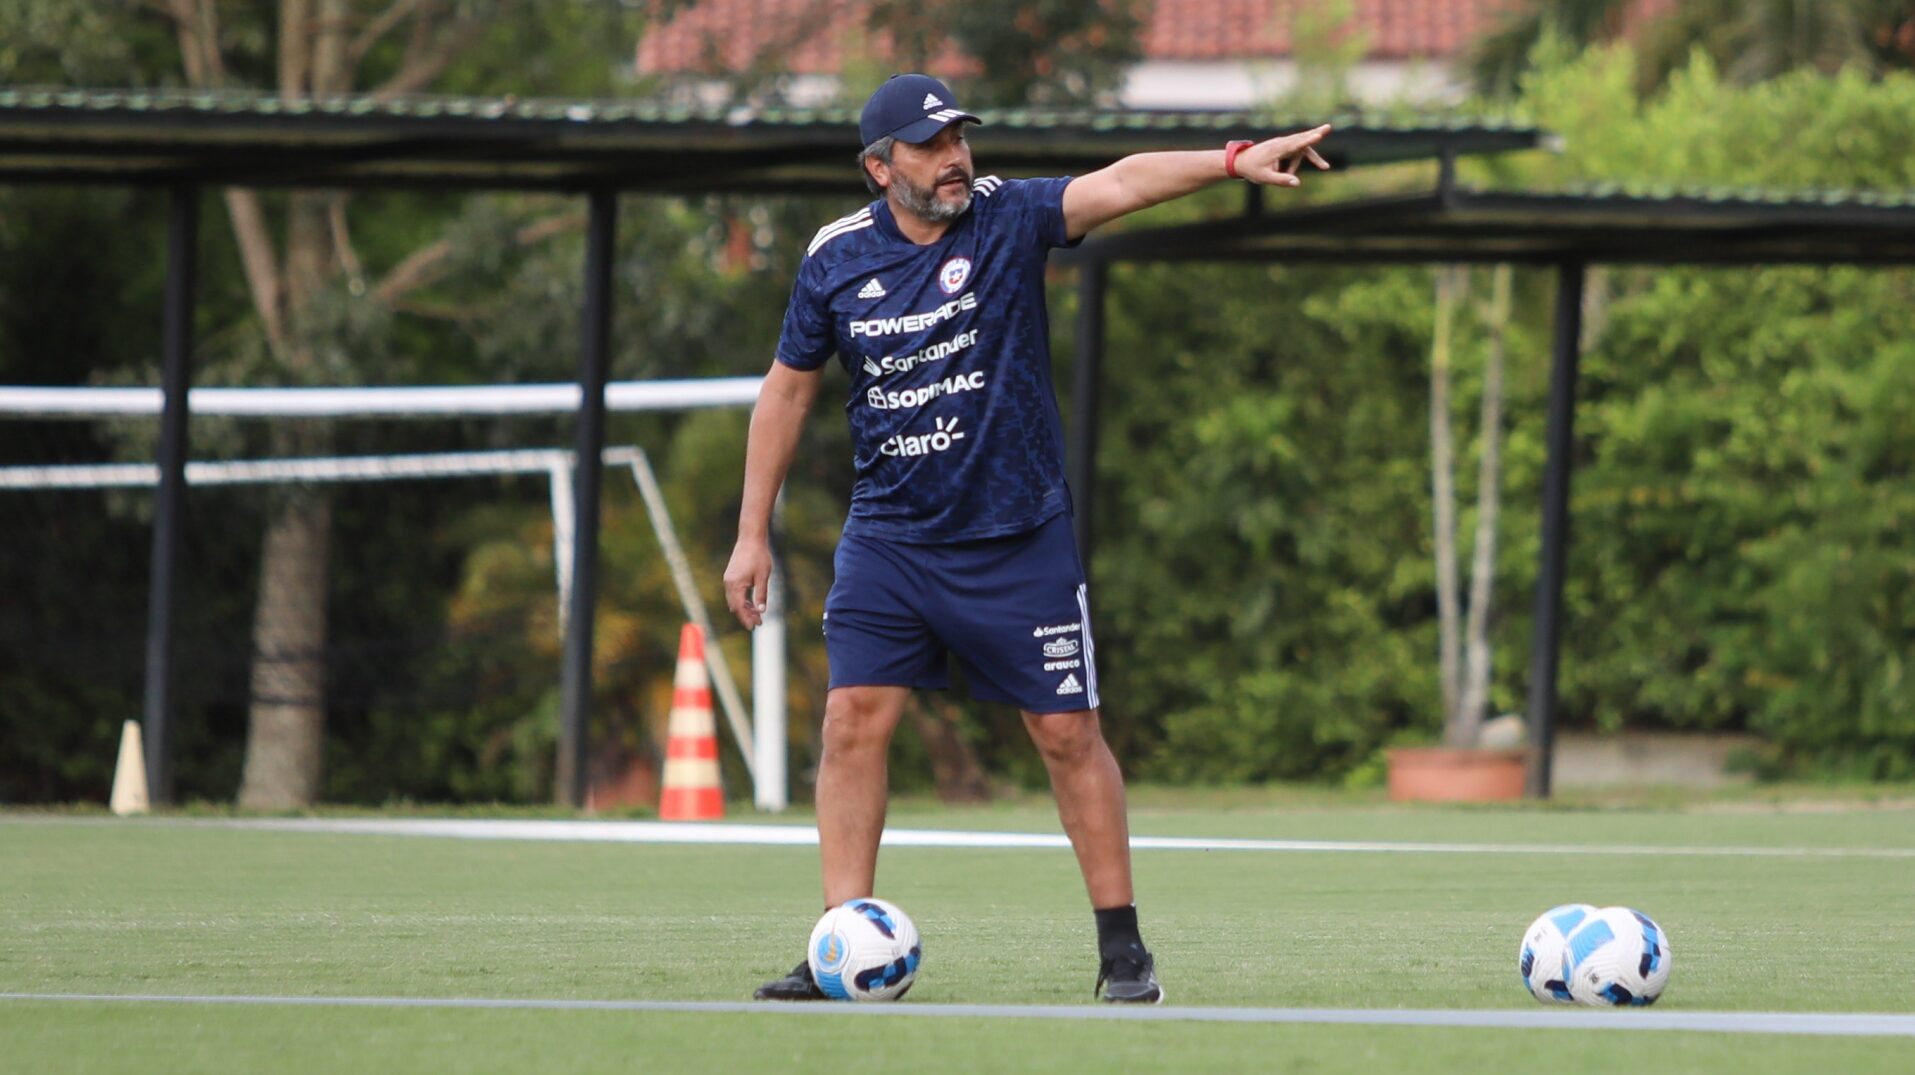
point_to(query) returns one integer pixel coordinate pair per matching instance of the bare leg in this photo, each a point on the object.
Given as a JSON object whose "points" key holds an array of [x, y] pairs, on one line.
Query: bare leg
{"points": [[1090, 800], [853, 786]]}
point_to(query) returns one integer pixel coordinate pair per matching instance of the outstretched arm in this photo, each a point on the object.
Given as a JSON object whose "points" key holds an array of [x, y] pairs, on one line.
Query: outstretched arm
{"points": [[783, 401], [1142, 180]]}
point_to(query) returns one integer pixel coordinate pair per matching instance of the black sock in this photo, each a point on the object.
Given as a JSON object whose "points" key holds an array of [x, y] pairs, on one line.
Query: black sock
{"points": [[1117, 932]]}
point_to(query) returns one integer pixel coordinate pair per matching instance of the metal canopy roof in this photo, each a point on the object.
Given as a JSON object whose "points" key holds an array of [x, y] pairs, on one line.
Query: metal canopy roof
{"points": [[137, 137], [1597, 224]]}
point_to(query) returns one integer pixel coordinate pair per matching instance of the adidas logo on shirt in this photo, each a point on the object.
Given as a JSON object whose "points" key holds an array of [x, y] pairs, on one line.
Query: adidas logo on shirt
{"points": [[872, 290], [931, 101], [1070, 685]]}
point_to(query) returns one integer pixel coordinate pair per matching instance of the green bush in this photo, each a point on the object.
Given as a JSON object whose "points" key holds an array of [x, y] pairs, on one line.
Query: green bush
{"points": [[1741, 554]]}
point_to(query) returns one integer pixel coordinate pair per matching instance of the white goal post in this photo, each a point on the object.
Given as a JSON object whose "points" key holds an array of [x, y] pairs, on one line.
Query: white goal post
{"points": [[761, 738]]}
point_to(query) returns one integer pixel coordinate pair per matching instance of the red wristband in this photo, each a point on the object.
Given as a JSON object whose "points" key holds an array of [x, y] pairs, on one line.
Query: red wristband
{"points": [[1230, 151]]}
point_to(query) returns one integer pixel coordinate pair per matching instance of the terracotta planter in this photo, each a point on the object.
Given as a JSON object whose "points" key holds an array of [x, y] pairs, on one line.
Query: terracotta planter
{"points": [[1442, 774]]}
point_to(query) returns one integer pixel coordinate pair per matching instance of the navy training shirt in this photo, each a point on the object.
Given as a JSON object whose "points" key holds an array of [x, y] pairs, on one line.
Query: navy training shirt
{"points": [[954, 422]]}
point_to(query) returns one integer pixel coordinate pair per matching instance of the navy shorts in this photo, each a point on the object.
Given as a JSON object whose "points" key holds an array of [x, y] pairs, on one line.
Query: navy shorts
{"points": [[1013, 610]]}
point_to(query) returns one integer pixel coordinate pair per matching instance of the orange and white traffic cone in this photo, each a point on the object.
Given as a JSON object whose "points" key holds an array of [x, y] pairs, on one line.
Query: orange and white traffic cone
{"points": [[691, 743]]}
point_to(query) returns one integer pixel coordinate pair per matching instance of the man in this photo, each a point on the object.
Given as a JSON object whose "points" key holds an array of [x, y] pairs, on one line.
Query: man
{"points": [[959, 536]]}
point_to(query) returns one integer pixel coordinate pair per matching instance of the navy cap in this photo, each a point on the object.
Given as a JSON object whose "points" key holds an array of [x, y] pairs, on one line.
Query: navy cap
{"points": [[910, 108]]}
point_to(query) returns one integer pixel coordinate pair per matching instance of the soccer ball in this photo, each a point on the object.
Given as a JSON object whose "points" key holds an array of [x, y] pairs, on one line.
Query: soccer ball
{"points": [[1617, 957], [865, 949], [1540, 957]]}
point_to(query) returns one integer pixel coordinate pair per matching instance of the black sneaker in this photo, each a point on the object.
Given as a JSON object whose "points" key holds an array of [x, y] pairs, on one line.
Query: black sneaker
{"points": [[1123, 980], [798, 985]]}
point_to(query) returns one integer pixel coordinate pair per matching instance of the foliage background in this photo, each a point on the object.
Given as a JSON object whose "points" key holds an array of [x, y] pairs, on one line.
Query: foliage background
{"points": [[1742, 553]]}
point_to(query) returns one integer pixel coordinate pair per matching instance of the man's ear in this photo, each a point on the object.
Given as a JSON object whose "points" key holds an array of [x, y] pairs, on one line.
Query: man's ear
{"points": [[879, 172]]}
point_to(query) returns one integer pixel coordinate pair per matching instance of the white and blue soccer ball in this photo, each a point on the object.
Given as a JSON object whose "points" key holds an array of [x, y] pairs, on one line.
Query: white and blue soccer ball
{"points": [[1617, 957], [865, 949], [1542, 959]]}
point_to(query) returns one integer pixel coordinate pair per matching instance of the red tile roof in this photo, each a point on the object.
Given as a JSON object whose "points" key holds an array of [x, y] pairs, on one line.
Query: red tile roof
{"points": [[811, 36], [1394, 29]]}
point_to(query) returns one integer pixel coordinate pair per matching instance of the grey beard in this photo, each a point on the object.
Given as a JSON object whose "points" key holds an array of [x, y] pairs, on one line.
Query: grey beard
{"points": [[924, 202]]}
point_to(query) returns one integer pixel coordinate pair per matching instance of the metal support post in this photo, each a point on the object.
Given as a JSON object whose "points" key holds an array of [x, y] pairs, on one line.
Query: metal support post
{"points": [[182, 266], [587, 482], [1544, 648]]}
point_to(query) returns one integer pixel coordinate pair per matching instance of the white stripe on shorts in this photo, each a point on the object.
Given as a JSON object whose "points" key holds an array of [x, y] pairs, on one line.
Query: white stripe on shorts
{"points": [[1090, 648]]}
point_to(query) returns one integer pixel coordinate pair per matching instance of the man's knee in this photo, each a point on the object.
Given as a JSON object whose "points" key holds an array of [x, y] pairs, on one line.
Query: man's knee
{"points": [[859, 719], [1065, 738]]}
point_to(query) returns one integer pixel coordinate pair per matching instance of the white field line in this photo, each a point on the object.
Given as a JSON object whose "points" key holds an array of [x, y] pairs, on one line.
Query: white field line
{"points": [[1823, 1023], [667, 832]]}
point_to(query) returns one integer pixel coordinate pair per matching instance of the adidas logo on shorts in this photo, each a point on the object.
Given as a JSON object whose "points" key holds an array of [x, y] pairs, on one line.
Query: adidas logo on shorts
{"points": [[872, 290], [1070, 685]]}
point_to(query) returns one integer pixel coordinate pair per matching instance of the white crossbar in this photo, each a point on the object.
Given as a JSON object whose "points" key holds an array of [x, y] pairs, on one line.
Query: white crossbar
{"points": [[322, 469], [410, 401]]}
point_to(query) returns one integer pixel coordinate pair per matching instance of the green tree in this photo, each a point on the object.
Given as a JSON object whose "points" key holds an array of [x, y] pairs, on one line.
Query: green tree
{"points": [[308, 283], [322, 302], [1264, 570], [1751, 40], [1747, 491]]}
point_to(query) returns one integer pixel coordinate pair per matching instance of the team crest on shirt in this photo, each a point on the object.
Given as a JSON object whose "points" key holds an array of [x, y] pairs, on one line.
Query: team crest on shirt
{"points": [[953, 274]]}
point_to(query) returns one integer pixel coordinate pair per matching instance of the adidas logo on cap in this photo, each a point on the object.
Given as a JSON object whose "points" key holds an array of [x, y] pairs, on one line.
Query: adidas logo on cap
{"points": [[931, 101], [1070, 685], [872, 290]]}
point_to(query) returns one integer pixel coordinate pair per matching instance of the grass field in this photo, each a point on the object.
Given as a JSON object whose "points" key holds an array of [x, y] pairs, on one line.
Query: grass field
{"points": [[154, 907]]}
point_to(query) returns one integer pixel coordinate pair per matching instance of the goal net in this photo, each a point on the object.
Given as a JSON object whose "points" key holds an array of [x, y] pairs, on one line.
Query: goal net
{"points": [[415, 597]]}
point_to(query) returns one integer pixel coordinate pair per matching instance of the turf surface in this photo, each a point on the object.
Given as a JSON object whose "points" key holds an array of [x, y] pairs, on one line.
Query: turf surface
{"points": [[143, 907]]}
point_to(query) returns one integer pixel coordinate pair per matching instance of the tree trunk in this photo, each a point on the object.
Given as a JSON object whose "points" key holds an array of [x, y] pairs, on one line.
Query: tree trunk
{"points": [[1488, 506], [954, 766], [287, 719], [286, 724], [1598, 288], [316, 50], [1443, 501]]}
